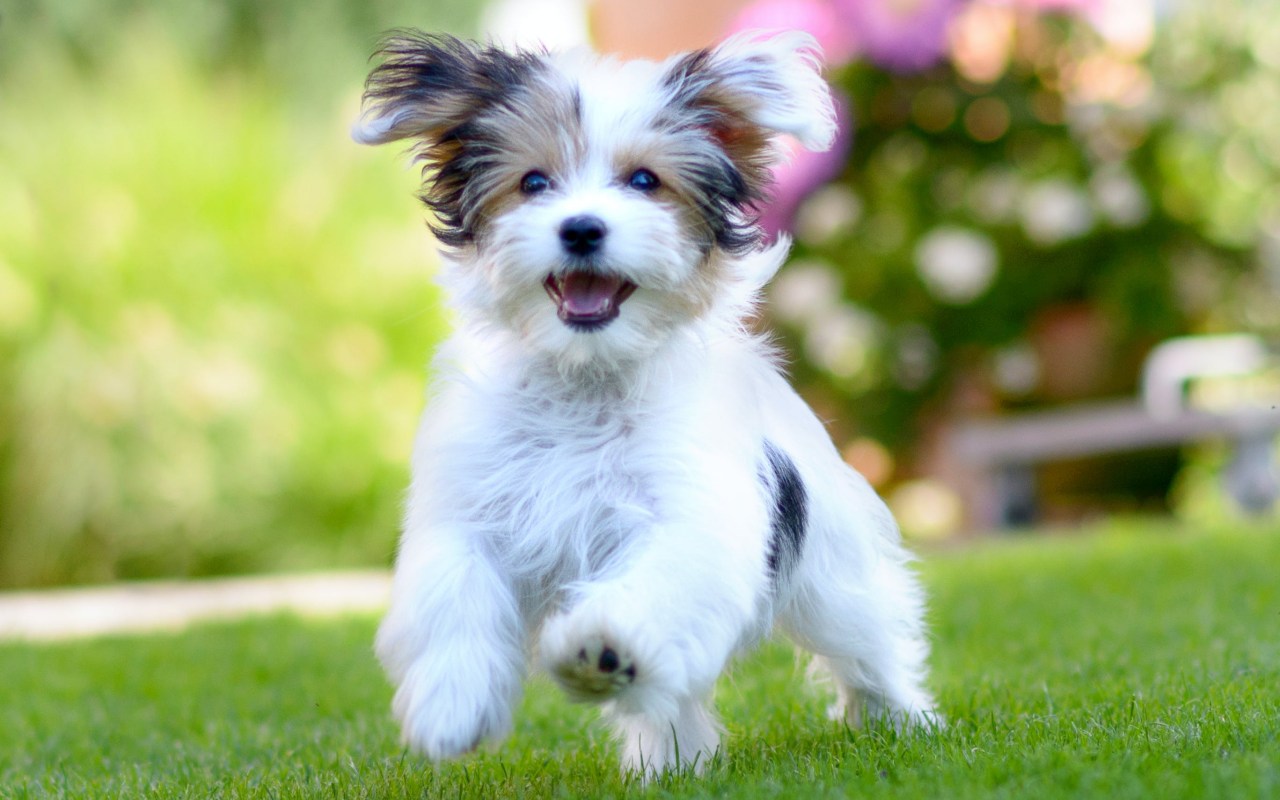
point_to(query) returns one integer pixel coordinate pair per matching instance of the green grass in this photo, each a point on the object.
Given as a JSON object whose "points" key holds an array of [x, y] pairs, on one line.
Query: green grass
{"points": [[1136, 662]]}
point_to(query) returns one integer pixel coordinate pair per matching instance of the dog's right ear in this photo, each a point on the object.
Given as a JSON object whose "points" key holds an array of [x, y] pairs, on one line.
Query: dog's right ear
{"points": [[428, 84]]}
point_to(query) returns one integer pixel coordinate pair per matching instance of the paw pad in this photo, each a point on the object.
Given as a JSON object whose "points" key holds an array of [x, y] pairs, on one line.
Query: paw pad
{"points": [[596, 672]]}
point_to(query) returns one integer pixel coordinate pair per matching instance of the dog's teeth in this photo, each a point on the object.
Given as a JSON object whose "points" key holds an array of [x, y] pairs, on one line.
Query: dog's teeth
{"points": [[587, 294]]}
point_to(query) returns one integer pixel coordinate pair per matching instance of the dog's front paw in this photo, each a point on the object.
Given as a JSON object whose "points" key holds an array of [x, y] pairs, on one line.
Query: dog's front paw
{"points": [[444, 716], [597, 671], [590, 663]]}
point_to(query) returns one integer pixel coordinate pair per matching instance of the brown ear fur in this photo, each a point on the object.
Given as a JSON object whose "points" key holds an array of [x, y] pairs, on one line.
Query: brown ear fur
{"points": [[697, 86]]}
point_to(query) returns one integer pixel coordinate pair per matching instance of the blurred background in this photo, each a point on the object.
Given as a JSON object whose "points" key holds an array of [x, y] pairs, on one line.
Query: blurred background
{"points": [[216, 311]]}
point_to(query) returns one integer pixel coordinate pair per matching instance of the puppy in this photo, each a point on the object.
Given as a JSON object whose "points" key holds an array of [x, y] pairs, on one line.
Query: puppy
{"points": [[612, 477]]}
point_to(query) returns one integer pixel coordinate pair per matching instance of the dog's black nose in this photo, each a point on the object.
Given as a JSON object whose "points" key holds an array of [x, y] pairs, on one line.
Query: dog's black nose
{"points": [[582, 235]]}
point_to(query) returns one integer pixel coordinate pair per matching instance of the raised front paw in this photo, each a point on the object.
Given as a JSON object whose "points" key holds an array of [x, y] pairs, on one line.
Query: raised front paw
{"points": [[585, 652], [597, 670]]}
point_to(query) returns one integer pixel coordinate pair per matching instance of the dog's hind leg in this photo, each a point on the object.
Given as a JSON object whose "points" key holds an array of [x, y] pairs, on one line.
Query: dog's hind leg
{"points": [[859, 610]]}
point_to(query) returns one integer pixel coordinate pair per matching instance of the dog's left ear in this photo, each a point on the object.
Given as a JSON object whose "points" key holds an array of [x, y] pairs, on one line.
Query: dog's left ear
{"points": [[756, 85]]}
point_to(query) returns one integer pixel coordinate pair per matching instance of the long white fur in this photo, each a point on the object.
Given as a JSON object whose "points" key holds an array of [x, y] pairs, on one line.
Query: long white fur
{"points": [[780, 82], [572, 488]]}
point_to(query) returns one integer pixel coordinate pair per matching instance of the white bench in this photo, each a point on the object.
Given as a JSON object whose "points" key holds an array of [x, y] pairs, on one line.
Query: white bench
{"points": [[1003, 452]]}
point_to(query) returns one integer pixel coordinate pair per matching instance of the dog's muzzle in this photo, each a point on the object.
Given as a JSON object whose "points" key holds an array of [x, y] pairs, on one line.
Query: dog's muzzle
{"points": [[586, 299]]}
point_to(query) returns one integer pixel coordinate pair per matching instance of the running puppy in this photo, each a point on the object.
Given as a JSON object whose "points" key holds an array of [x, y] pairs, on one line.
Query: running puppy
{"points": [[612, 475]]}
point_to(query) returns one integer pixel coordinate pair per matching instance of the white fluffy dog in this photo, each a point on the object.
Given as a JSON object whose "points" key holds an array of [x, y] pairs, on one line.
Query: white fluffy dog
{"points": [[612, 476]]}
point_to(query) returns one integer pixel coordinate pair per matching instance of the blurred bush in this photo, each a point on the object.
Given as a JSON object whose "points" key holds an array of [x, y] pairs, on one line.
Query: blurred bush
{"points": [[1037, 192], [213, 321]]}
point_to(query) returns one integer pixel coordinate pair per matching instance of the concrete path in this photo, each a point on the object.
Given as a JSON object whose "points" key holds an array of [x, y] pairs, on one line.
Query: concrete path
{"points": [[59, 614]]}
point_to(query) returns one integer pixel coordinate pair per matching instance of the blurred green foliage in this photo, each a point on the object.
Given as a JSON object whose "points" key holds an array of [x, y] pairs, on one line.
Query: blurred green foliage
{"points": [[214, 317], [1021, 224]]}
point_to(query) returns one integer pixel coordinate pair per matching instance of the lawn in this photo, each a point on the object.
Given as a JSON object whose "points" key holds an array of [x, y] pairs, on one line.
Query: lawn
{"points": [[1136, 661]]}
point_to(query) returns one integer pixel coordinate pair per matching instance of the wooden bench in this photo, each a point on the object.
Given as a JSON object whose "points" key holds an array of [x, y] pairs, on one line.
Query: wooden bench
{"points": [[1002, 453]]}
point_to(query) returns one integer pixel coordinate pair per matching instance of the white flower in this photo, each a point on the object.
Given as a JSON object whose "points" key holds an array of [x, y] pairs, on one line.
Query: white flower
{"points": [[1054, 211], [827, 212], [841, 340], [994, 196], [957, 265], [1119, 197], [1017, 370], [805, 290]]}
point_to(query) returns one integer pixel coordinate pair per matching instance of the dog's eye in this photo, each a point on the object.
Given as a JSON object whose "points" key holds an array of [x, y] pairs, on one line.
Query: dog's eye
{"points": [[643, 180], [534, 183]]}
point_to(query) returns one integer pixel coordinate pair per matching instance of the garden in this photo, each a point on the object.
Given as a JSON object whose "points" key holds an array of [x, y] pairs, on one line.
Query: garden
{"points": [[216, 314]]}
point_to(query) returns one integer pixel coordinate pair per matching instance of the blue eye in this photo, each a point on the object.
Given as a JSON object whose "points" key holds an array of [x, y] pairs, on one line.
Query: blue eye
{"points": [[534, 183], [643, 180]]}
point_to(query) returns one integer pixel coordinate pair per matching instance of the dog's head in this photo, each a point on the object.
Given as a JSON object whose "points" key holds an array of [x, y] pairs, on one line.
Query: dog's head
{"points": [[590, 207]]}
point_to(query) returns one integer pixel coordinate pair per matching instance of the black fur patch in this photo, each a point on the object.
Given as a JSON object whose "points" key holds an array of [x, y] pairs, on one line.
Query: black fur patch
{"points": [[725, 202], [789, 517], [470, 148], [447, 84]]}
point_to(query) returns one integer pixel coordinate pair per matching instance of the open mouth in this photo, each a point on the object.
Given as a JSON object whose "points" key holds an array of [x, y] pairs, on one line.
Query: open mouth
{"points": [[588, 300]]}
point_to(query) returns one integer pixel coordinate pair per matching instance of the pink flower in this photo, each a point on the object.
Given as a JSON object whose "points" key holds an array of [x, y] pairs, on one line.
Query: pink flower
{"points": [[815, 17], [805, 172], [899, 35]]}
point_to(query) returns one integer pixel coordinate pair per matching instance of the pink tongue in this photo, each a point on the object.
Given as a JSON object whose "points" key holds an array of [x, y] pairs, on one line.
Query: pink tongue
{"points": [[586, 295]]}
